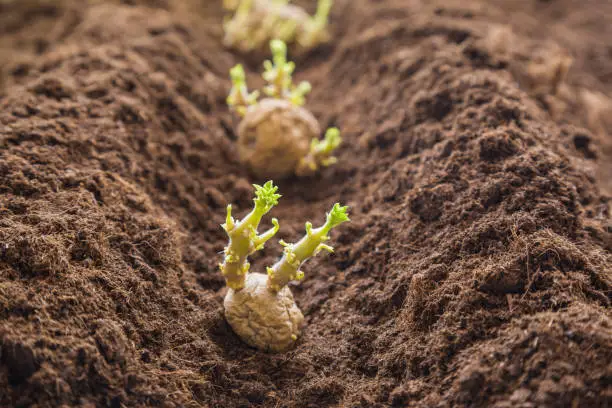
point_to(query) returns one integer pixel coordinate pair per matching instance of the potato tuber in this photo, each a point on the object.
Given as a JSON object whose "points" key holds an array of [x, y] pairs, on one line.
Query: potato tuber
{"points": [[260, 307]]}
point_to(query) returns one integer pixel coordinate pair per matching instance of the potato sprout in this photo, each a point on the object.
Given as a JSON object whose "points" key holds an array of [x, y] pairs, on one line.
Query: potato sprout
{"points": [[320, 153], [255, 22], [277, 136], [260, 307]]}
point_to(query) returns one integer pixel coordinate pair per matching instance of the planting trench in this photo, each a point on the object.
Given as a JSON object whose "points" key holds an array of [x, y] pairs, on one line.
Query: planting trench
{"points": [[475, 271]]}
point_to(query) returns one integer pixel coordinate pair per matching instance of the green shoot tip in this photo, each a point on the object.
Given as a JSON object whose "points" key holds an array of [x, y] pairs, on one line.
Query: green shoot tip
{"points": [[304, 87], [278, 48], [298, 94], [323, 9], [332, 137], [337, 215], [237, 74], [265, 196]]}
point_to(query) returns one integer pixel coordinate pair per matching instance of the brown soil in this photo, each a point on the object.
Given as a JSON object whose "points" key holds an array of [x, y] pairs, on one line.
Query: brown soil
{"points": [[477, 270]]}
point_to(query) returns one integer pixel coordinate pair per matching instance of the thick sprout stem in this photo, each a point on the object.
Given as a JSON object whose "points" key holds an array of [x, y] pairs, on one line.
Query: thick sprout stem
{"points": [[278, 72], [321, 16], [314, 30], [231, 5], [236, 28], [298, 93], [288, 267], [243, 238], [239, 98]]}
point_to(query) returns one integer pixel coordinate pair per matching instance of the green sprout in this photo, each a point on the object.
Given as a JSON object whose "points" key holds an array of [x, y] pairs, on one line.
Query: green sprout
{"points": [[256, 21], [298, 94], [277, 137], [237, 29], [285, 29], [231, 5], [243, 238], [239, 97], [271, 23], [314, 30], [288, 267], [320, 153], [260, 307], [278, 73]]}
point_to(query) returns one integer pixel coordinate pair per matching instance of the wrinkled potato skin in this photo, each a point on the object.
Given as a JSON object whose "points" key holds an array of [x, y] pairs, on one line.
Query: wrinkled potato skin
{"points": [[263, 319], [274, 135]]}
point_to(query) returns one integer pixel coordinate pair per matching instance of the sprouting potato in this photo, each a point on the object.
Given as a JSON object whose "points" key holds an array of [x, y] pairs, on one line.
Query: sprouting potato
{"points": [[277, 136], [259, 307], [255, 22]]}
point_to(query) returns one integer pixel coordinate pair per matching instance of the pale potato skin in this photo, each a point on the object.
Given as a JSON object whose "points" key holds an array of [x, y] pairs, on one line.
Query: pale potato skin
{"points": [[255, 21], [274, 136], [267, 320]]}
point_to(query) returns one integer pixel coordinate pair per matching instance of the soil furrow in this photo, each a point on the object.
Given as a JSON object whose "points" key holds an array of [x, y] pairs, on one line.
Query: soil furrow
{"points": [[475, 272]]}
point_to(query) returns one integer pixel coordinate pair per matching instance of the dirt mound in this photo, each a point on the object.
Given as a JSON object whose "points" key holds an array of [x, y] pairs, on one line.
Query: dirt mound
{"points": [[476, 270]]}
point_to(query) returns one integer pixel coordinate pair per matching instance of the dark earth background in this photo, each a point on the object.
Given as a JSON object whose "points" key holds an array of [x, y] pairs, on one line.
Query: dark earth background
{"points": [[477, 268]]}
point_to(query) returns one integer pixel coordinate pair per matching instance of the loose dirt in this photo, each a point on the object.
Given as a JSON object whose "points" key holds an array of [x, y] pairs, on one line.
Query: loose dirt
{"points": [[477, 162]]}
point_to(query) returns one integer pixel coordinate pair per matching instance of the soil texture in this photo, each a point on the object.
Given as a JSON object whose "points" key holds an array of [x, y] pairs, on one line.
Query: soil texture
{"points": [[477, 162]]}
